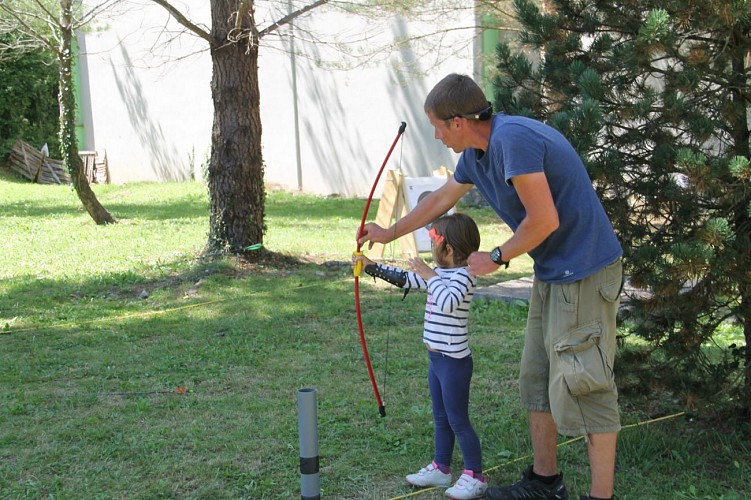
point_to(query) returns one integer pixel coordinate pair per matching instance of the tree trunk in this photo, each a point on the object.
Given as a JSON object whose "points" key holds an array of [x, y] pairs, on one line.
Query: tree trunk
{"points": [[68, 143], [235, 174]]}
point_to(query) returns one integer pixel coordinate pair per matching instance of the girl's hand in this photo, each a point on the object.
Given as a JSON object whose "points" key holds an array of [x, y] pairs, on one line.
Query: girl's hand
{"points": [[421, 268], [361, 258]]}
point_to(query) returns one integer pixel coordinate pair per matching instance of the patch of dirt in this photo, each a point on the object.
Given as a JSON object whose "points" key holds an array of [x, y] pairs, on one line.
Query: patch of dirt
{"points": [[263, 261]]}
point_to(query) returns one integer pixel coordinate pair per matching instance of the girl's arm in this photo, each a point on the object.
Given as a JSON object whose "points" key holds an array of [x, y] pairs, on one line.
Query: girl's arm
{"points": [[391, 275], [449, 292], [361, 258], [421, 268], [399, 277]]}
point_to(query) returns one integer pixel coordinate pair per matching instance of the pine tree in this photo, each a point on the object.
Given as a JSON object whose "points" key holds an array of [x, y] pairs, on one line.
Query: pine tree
{"points": [[654, 94]]}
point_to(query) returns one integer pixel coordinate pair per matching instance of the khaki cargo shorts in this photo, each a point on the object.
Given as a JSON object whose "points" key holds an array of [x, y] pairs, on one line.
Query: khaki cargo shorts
{"points": [[569, 350]]}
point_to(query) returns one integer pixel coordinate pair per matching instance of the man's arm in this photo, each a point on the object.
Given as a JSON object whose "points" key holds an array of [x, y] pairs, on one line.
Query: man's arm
{"points": [[541, 217], [540, 220], [436, 203]]}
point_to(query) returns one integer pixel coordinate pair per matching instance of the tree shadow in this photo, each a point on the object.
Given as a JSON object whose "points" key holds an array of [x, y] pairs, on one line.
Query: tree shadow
{"points": [[165, 159], [184, 209]]}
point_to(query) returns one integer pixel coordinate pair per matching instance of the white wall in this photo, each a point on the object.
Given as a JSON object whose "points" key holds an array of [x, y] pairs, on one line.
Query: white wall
{"points": [[151, 106]]}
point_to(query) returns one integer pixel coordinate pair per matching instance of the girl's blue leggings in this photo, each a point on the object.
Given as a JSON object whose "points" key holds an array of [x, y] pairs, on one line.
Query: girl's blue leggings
{"points": [[448, 379]]}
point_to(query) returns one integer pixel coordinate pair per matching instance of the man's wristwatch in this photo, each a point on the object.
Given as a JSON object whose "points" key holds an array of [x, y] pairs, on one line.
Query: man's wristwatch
{"points": [[497, 257]]}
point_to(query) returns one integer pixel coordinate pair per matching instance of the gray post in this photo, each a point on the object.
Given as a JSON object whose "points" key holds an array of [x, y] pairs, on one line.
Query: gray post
{"points": [[310, 482]]}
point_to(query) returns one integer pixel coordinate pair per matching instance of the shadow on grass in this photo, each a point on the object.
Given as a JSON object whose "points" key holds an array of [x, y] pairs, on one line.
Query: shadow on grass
{"points": [[175, 210], [38, 297], [200, 375], [201, 370], [183, 209]]}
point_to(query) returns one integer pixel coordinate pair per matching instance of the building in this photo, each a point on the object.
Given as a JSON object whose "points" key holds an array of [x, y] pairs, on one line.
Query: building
{"points": [[334, 88]]}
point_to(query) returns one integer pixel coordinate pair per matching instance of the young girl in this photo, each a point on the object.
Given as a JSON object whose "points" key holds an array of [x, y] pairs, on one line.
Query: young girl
{"points": [[450, 289]]}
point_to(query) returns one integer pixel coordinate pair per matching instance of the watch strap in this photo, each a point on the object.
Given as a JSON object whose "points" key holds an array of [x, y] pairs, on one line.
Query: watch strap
{"points": [[496, 255]]}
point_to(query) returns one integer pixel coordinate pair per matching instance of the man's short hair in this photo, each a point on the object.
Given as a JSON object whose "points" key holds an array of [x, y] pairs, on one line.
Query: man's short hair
{"points": [[457, 95]]}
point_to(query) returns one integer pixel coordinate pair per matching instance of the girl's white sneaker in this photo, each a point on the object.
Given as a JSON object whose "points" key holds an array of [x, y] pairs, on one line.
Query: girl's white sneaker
{"points": [[467, 487], [430, 475]]}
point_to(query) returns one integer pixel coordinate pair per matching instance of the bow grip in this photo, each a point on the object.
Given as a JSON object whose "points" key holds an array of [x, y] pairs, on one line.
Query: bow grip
{"points": [[357, 268]]}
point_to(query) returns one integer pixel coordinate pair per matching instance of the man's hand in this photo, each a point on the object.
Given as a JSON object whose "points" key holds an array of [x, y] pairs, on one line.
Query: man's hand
{"points": [[479, 263], [373, 233]]}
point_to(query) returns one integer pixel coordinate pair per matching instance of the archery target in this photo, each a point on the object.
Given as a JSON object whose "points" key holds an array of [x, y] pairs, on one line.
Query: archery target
{"points": [[416, 189]]}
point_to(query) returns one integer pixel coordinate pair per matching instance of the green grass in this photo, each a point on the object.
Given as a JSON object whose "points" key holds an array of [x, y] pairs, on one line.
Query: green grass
{"points": [[130, 368]]}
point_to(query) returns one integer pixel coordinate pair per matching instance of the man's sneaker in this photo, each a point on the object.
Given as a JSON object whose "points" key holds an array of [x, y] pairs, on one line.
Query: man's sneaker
{"points": [[430, 475], [528, 488], [467, 487]]}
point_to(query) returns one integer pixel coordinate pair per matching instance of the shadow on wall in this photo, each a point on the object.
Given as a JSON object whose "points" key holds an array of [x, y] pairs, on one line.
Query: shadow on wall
{"points": [[428, 153], [164, 159], [339, 160], [346, 166]]}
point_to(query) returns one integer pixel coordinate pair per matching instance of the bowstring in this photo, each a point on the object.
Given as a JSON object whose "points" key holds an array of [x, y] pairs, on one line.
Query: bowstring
{"points": [[391, 302]]}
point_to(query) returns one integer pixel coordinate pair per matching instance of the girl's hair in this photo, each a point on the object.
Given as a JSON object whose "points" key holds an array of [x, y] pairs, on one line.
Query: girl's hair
{"points": [[461, 232], [455, 95]]}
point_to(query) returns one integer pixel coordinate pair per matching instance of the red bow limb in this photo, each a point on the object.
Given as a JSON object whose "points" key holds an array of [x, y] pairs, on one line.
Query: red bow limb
{"points": [[358, 269]]}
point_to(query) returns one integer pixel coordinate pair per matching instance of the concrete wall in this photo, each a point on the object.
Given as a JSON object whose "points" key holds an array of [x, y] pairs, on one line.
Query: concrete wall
{"points": [[151, 111]]}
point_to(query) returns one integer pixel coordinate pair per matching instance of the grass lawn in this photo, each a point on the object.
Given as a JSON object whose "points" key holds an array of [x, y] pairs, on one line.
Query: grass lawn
{"points": [[130, 368]]}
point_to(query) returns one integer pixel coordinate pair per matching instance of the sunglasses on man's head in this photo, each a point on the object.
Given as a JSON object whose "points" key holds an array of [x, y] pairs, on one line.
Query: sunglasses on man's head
{"points": [[482, 115]]}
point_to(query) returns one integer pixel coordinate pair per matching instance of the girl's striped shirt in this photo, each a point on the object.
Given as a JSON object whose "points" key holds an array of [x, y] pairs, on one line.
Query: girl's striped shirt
{"points": [[447, 308]]}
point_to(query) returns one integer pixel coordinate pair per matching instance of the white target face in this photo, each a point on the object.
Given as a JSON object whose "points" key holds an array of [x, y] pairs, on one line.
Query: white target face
{"points": [[416, 189]]}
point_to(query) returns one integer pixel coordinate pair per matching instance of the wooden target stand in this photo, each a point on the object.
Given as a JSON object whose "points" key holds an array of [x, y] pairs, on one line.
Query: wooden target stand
{"points": [[395, 204]]}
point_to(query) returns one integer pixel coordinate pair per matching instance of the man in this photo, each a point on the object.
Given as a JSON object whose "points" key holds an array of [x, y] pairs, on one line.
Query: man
{"points": [[536, 182]]}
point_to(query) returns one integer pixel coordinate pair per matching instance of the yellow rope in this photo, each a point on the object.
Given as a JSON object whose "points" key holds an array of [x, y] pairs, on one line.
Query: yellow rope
{"points": [[528, 457]]}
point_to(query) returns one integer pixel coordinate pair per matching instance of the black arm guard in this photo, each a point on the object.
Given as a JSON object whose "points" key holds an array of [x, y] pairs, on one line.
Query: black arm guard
{"points": [[393, 276]]}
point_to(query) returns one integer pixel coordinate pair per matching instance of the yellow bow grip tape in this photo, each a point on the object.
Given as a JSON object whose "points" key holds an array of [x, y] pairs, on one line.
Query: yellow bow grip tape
{"points": [[357, 269]]}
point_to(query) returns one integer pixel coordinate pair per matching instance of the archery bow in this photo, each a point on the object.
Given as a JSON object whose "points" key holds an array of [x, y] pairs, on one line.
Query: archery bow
{"points": [[357, 269]]}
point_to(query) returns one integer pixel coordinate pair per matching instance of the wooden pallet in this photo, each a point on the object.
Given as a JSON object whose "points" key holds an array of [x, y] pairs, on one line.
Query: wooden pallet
{"points": [[37, 167]]}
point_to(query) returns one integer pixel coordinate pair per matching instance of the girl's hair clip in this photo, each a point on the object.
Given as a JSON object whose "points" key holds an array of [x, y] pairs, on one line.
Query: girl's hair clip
{"points": [[437, 238]]}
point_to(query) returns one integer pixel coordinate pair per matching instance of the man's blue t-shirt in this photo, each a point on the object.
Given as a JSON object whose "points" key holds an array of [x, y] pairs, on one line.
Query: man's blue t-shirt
{"points": [[585, 241]]}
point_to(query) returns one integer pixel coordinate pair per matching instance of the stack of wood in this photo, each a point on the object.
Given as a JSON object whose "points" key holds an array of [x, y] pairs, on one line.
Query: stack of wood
{"points": [[97, 170], [37, 167]]}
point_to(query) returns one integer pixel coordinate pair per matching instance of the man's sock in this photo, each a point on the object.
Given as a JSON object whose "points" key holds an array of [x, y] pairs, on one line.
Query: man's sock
{"points": [[544, 479]]}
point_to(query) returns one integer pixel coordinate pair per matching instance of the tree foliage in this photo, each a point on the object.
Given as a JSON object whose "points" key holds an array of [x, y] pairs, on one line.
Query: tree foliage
{"points": [[28, 96], [655, 96]]}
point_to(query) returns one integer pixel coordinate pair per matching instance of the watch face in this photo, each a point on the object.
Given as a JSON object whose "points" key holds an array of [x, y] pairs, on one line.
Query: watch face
{"points": [[495, 255]]}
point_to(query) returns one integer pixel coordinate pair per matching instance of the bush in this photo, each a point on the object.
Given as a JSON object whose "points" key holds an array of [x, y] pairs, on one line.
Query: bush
{"points": [[28, 100]]}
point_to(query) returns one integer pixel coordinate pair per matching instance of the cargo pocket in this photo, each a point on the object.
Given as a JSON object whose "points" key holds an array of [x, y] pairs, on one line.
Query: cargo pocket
{"points": [[612, 285], [582, 362]]}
